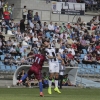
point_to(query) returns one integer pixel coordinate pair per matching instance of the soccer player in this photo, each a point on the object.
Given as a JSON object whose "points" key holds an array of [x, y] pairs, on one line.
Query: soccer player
{"points": [[36, 69], [53, 59]]}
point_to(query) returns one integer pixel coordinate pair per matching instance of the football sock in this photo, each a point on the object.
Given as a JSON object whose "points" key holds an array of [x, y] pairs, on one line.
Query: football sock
{"points": [[40, 86], [56, 82], [50, 83], [24, 77]]}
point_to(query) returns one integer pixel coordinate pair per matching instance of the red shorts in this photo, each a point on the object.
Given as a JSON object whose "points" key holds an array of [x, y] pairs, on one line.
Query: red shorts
{"points": [[34, 70]]}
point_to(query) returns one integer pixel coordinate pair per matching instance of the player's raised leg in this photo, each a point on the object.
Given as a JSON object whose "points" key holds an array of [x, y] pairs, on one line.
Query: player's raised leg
{"points": [[23, 78], [50, 82], [56, 83]]}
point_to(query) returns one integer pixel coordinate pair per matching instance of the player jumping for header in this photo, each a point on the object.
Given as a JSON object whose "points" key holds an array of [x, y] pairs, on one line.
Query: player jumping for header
{"points": [[53, 59]]}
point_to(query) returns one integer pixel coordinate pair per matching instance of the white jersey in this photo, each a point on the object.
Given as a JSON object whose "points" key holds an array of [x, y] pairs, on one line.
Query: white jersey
{"points": [[53, 63], [51, 52]]}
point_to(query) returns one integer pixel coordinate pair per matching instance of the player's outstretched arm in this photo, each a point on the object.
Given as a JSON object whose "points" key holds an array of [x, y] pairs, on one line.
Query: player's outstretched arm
{"points": [[30, 57]]}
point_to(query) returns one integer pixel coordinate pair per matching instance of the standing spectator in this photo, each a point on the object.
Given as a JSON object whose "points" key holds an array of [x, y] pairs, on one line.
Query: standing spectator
{"points": [[12, 8], [29, 16], [10, 11], [1, 8], [24, 12], [22, 25], [37, 18], [5, 6], [6, 16]]}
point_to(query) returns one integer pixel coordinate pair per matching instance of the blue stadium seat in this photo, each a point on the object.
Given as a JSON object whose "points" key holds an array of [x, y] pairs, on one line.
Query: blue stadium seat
{"points": [[97, 71], [3, 67], [98, 66], [13, 68], [17, 57], [82, 56], [2, 57], [48, 35], [84, 51], [84, 65], [80, 65], [8, 68], [89, 66], [82, 71], [91, 71]]}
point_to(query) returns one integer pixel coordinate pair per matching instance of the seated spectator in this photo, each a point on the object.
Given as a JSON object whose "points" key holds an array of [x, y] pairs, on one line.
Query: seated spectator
{"points": [[73, 63], [12, 60], [45, 80], [27, 82], [89, 59], [35, 38], [19, 75], [79, 20], [51, 27], [13, 51], [69, 55], [24, 60], [69, 41], [66, 81], [71, 49], [68, 25], [24, 53], [26, 38], [83, 43], [7, 59]]}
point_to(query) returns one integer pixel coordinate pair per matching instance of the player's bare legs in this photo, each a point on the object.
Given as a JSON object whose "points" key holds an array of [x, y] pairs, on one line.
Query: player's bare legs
{"points": [[56, 83], [41, 88], [50, 82]]}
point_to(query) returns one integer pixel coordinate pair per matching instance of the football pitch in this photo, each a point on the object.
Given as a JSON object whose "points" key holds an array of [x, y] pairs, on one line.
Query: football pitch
{"points": [[33, 94]]}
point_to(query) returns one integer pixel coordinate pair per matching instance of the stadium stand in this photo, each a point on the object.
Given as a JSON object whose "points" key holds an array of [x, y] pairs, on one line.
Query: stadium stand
{"points": [[76, 40]]}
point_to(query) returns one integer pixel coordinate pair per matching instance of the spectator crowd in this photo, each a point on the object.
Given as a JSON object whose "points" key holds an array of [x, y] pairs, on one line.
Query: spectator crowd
{"points": [[70, 40]]}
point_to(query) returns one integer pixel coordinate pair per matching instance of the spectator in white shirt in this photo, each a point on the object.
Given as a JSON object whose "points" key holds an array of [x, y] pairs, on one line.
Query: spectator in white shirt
{"points": [[15, 43], [61, 50], [27, 38], [72, 50], [51, 27], [32, 24], [35, 38], [25, 11]]}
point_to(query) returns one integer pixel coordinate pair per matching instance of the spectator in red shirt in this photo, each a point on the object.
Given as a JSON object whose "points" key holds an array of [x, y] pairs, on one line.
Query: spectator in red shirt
{"points": [[6, 16], [69, 55], [98, 47]]}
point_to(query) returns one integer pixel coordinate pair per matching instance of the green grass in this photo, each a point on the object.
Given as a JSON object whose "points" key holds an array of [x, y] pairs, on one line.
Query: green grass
{"points": [[33, 94]]}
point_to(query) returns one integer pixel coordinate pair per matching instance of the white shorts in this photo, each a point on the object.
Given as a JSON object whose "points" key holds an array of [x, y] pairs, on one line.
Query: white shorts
{"points": [[53, 67]]}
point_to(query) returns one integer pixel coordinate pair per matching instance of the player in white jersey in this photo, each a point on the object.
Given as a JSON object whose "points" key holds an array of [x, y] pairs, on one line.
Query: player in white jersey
{"points": [[53, 59]]}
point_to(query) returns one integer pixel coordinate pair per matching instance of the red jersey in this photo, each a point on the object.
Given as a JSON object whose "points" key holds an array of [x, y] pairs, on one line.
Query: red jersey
{"points": [[6, 15], [39, 60]]}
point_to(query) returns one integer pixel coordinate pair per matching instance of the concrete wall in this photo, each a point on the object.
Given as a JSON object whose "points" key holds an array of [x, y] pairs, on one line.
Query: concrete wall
{"points": [[17, 12], [44, 11]]}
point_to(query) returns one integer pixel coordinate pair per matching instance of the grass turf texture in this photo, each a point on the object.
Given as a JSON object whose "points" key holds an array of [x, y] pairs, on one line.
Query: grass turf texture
{"points": [[33, 94]]}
